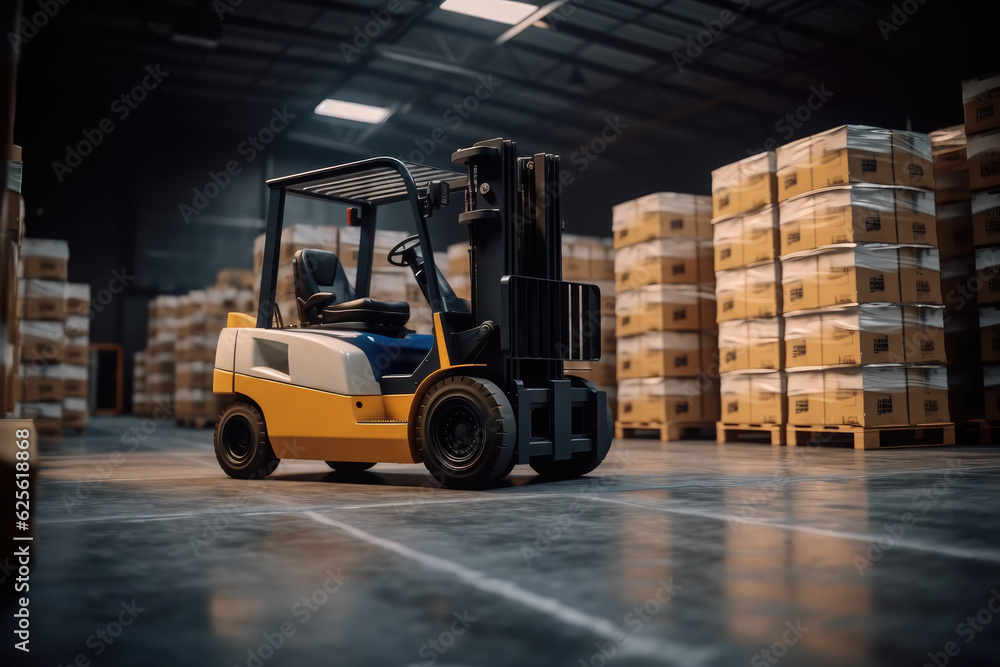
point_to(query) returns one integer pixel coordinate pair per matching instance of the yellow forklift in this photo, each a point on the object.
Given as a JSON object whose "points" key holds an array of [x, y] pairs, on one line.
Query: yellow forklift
{"points": [[352, 386]]}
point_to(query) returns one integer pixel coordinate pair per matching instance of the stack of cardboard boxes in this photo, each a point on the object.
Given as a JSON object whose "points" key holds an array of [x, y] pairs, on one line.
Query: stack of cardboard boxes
{"points": [[861, 279], [11, 235], [667, 340], [981, 99], [201, 317], [389, 283], [590, 259], [160, 354], [141, 404], [53, 329], [953, 208], [748, 294]]}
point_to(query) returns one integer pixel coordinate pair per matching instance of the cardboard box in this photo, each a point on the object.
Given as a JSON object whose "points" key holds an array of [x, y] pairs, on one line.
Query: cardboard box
{"points": [[954, 229], [662, 308], [866, 395], [78, 299], [727, 240], [793, 164], [927, 394], [734, 346], [806, 398], [730, 295], [920, 275], [800, 283], [768, 403], [951, 164], [981, 98], [797, 225], [803, 341], [912, 159], [74, 413], [661, 400], [661, 261], [300, 237], [924, 335], [42, 341], [988, 275], [863, 335], [38, 388], [74, 380], [989, 333], [656, 216], [77, 351], [766, 347], [986, 217], [915, 221], [726, 191], [706, 261], [42, 299], [703, 216], [660, 354], [758, 181], [735, 397], [852, 154], [760, 236], [984, 160], [763, 290], [854, 214], [858, 274], [45, 259], [991, 389]]}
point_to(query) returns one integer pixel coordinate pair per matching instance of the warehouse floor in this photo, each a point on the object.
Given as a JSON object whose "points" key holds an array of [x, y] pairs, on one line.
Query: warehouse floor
{"points": [[685, 554]]}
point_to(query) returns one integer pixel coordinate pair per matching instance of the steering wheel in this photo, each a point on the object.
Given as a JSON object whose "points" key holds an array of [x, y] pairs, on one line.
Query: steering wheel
{"points": [[401, 249]]}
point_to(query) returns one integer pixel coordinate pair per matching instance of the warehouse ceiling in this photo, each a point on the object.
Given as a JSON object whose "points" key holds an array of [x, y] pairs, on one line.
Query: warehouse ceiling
{"points": [[673, 72]]}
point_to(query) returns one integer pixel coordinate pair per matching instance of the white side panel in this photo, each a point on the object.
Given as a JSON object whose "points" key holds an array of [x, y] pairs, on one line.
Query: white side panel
{"points": [[304, 359], [226, 350]]}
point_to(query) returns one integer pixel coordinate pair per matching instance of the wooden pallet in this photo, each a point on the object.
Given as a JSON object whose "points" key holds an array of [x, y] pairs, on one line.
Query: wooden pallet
{"points": [[761, 433], [980, 431], [199, 421], [872, 437], [669, 432]]}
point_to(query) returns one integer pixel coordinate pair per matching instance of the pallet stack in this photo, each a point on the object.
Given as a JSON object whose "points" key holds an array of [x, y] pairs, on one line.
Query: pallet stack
{"points": [[981, 99], [11, 236], [666, 334], [42, 325], [590, 259], [141, 405], [76, 357], [160, 354], [953, 212], [202, 315], [861, 282], [747, 280]]}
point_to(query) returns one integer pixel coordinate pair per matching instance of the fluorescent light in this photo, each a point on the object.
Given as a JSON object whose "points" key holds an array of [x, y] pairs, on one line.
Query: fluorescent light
{"points": [[363, 113], [501, 11]]}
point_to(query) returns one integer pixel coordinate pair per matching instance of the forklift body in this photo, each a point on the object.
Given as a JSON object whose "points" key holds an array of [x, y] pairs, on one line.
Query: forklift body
{"points": [[352, 386]]}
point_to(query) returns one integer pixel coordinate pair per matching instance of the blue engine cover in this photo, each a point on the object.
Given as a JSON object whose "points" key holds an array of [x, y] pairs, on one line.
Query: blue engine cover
{"points": [[391, 356]]}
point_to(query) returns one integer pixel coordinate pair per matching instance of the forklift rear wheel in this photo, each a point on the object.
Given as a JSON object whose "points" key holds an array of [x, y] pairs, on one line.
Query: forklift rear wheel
{"points": [[241, 443], [349, 466], [466, 431]]}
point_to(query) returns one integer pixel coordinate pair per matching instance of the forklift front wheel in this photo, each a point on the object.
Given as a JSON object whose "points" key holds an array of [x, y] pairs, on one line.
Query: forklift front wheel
{"points": [[241, 443], [466, 431], [349, 466]]}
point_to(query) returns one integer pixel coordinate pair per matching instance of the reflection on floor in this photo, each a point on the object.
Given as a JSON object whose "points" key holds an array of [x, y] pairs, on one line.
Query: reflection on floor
{"points": [[670, 554]]}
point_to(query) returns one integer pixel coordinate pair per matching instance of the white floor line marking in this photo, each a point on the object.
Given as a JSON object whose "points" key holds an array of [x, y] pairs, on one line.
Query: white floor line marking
{"points": [[679, 653], [957, 552]]}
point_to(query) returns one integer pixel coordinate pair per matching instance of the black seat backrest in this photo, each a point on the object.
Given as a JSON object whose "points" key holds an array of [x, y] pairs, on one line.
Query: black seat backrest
{"points": [[320, 271]]}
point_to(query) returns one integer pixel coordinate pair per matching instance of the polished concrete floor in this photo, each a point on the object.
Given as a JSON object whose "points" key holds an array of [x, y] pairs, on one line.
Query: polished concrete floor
{"points": [[682, 554]]}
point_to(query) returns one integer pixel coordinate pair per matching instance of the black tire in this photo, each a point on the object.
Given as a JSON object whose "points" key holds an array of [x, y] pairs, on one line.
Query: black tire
{"points": [[241, 444], [466, 431], [349, 466], [581, 463]]}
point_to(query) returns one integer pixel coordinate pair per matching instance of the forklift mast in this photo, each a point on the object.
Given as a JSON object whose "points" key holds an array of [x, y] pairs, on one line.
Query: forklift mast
{"points": [[512, 210]]}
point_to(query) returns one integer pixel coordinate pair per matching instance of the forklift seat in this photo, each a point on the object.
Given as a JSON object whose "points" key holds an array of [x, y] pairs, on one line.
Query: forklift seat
{"points": [[325, 296]]}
